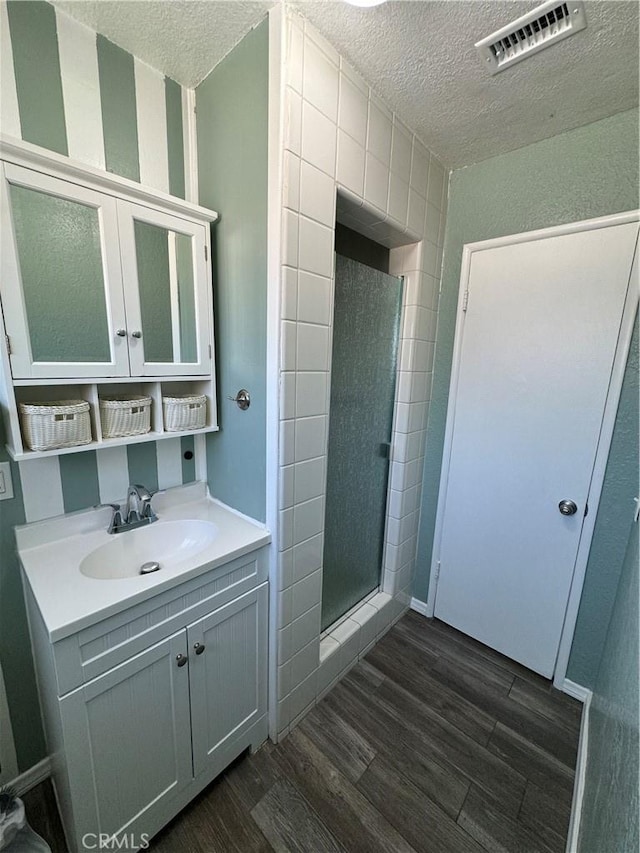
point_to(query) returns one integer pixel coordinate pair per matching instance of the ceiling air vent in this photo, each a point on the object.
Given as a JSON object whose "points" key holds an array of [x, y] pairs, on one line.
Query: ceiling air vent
{"points": [[540, 28]]}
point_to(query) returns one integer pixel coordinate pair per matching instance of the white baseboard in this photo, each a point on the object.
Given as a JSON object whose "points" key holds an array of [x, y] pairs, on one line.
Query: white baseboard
{"points": [[32, 777], [418, 606], [576, 690], [585, 696]]}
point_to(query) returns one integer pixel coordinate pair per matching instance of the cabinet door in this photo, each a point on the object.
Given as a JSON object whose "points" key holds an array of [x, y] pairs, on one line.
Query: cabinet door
{"points": [[228, 669], [166, 292], [127, 740], [61, 282]]}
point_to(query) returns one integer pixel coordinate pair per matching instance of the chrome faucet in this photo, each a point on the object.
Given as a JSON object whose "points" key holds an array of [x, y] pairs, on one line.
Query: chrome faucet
{"points": [[137, 510]]}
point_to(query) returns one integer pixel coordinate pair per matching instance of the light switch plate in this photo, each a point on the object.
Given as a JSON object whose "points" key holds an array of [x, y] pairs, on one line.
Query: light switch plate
{"points": [[6, 483]]}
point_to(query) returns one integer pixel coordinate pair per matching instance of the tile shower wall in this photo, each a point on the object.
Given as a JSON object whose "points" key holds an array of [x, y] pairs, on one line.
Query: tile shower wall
{"points": [[73, 92], [340, 137]]}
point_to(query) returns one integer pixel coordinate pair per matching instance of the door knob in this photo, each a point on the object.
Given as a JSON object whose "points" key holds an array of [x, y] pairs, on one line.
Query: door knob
{"points": [[181, 659], [136, 334], [121, 333], [567, 508], [199, 648]]}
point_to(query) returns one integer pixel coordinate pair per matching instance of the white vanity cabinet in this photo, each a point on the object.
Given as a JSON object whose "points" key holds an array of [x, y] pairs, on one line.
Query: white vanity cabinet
{"points": [[143, 709]]}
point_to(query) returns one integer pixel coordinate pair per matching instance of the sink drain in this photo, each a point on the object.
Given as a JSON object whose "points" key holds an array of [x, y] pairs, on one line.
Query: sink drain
{"points": [[147, 568]]}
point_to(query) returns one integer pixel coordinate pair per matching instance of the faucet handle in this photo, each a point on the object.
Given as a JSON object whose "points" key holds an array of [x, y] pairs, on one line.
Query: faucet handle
{"points": [[116, 519], [114, 507]]}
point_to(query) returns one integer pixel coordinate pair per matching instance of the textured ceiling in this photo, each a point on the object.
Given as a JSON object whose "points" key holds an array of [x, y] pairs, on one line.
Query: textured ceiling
{"points": [[418, 55], [184, 39]]}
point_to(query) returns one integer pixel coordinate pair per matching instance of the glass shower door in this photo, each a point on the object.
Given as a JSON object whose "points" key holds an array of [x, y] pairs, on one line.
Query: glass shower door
{"points": [[366, 330]]}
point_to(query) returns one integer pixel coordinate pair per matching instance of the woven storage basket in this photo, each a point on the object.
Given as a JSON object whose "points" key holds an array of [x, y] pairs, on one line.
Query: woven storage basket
{"points": [[125, 414], [62, 423], [186, 411]]}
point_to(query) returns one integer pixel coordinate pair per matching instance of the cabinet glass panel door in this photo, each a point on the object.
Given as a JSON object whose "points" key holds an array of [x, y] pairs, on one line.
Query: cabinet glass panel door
{"points": [[165, 274], [61, 281]]}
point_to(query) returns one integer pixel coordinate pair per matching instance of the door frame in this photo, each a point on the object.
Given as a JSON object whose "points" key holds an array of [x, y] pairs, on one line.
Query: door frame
{"points": [[606, 430]]}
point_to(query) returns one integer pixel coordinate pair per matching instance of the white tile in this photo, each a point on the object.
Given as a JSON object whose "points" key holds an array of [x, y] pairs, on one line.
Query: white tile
{"points": [[305, 628], [306, 594], [353, 110], [285, 528], [288, 337], [314, 298], [417, 206], [316, 247], [310, 438], [398, 199], [443, 228], [291, 181], [430, 258], [311, 394], [283, 716], [289, 300], [293, 121], [367, 617], [412, 282], [308, 520], [379, 132], [320, 81], [330, 663], [294, 55], [436, 183], [287, 395], [286, 606], [302, 696], [285, 486], [307, 558], [401, 146], [317, 195], [285, 568], [287, 442], [419, 168], [285, 643], [290, 238], [347, 633], [326, 47], [353, 76], [313, 347], [351, 156], [432, 227], [319, 139], [304, 662], [284, 680], [309, 479], [413, 256], [395, 503], [376, 182]]}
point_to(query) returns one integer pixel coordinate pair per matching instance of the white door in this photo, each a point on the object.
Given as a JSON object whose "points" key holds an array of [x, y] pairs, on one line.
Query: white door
{"points": [[536, 347], [164, 266]]}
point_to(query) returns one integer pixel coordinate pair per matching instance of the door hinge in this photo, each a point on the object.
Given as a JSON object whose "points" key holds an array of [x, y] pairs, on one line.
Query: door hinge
{"points": [[7, 341], [437, 571], [465, 302], [206, 253]]}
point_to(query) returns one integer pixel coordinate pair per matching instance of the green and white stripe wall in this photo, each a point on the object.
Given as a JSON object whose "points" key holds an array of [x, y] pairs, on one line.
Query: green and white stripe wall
{"points": [[74, 92], [68, 90]]}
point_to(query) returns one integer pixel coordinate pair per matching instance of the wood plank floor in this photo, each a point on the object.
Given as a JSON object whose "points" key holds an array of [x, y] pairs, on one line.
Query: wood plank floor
{"points": [[432, 743]]}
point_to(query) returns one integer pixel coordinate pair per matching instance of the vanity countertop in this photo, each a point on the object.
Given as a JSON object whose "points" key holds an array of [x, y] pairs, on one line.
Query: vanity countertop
{"points": [[51, 552]]}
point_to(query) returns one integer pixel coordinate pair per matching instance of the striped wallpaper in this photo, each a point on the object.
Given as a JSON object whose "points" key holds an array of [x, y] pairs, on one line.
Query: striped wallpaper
{"points": [[74, 92]]}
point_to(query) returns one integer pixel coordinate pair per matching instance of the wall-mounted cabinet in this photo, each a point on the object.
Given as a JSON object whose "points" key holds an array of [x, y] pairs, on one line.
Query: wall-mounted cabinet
{"points": [[101, 279]]}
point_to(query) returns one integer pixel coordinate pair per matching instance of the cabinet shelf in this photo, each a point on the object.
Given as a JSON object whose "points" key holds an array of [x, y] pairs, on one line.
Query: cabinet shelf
{"points": [[22, 456]]}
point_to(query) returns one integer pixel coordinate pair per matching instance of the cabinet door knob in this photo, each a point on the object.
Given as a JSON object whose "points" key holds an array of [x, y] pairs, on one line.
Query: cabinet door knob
{"points": [[199, 648], [121, 333], [136, 334], [181, 659]]}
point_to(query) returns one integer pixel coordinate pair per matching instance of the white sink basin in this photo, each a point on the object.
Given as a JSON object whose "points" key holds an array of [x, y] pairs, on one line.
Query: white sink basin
{"points": [[163, 542]]}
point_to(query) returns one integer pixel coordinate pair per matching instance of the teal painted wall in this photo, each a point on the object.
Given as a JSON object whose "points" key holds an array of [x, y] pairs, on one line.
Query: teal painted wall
{"points": [[232, 114], [43, 120], [588, 172], [610, 805]]}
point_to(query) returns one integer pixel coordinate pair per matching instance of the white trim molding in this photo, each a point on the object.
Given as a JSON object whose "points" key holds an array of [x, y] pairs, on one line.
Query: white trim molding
{"points": [[420, 607], [32, 777], [585, 696]]}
